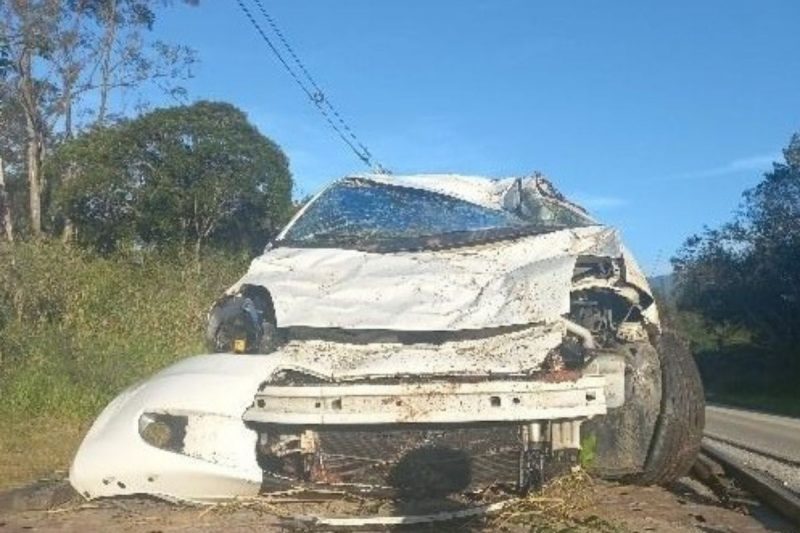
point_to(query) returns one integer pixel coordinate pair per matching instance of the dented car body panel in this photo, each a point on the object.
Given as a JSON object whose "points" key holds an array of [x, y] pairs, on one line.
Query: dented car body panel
{"points": [[474, 287], [434, 340], [217, 460], [454, 288]]}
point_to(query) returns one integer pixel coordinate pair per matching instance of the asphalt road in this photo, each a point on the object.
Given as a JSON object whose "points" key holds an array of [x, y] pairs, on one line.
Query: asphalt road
{"points": [[778, 436]]}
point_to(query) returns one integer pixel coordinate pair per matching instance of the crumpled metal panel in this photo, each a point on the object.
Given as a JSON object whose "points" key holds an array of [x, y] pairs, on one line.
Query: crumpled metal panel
{"points": [[516, 350], [511, 282], [505, 283]]}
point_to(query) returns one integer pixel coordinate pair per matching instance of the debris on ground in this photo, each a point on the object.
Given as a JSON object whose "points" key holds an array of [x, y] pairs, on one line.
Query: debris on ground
{"points": [[575, 502]]}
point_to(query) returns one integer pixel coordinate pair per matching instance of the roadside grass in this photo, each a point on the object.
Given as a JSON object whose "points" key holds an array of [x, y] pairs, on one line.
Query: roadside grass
{"points": [[748, 376], [564, 504], [76, 329], [736, 369], [37, 448], [784, 404]]}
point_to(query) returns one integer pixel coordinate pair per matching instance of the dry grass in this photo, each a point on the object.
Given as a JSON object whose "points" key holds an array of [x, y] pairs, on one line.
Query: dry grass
{"points": [[565, 504], [38, 448]]}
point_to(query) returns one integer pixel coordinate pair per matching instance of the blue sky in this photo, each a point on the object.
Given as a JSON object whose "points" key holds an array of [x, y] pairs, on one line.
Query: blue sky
{"points": [[656, 116]]}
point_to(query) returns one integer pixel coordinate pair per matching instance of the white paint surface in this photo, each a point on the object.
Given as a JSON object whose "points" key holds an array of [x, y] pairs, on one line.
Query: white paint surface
{"points": [[513, 282], [214, 391]]}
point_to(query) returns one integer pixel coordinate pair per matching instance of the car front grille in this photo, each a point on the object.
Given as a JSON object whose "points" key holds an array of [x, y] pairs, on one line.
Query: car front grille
{"points": [[421, 462]]}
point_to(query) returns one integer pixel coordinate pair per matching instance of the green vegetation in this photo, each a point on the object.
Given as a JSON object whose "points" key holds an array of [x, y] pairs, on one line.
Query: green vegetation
{"points": [[783, 402], [65, 67], [738, 295], [181, 177], [119, 226], [588, 451], [76, 329], [737, 371]]}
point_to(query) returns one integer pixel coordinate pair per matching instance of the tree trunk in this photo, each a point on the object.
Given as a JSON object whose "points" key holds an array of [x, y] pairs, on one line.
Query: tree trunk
{"points": [[5, 207], [198, 246], [68, 233], [35, 183], [109, 38], [69, 229], [35, 141], [68, 111]]}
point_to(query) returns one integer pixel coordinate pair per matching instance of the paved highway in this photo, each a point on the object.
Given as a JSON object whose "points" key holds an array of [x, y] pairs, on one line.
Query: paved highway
{"points": [[778, 436]]}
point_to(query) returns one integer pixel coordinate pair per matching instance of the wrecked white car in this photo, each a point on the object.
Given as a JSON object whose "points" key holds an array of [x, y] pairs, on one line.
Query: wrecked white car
{"points": [[419, 336]]}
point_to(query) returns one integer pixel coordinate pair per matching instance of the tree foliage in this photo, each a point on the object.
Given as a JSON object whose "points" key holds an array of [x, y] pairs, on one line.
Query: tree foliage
{"points": [[62, 62], [747, 272], [181, 176]]}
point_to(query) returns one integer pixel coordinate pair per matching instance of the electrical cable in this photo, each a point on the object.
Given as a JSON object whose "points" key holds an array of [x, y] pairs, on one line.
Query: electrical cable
{"points": [[311, 89]]}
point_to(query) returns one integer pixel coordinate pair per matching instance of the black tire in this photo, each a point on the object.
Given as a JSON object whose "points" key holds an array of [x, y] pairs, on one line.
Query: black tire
{"points": [[655, 436], [679, 429]]}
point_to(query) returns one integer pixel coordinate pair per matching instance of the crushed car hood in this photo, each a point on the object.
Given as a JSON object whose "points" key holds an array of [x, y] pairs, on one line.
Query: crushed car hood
{"points": [[513, 282], [517, 350]]}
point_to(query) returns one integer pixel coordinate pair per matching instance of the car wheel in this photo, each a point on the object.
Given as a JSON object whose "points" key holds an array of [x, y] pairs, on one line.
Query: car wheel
{"points": [[655, 436], [619, 441], [679, 429]]}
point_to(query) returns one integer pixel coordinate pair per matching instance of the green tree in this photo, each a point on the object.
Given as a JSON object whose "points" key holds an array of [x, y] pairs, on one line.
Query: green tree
{"points": [[62, 56], [747, 272], [183, 176]]}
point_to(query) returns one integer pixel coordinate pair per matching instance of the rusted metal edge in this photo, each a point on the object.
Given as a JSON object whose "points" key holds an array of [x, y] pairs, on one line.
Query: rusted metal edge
{"points": [[765, 488], [402, 520]]}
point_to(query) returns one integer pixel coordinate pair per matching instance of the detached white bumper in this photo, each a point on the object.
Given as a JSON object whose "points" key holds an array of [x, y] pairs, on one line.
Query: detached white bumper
{"points": [[218, 460], [440, 402]]}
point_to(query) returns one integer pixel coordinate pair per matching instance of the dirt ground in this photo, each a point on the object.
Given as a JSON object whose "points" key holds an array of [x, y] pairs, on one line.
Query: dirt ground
{"points": [[576, 503]]}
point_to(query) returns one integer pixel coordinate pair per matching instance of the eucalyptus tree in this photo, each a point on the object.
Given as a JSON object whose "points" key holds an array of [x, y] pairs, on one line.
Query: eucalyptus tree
{"points": [[60, 57]]}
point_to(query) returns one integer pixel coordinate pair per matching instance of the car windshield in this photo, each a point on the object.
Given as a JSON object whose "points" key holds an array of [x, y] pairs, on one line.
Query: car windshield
{"points": [[358, 211]]}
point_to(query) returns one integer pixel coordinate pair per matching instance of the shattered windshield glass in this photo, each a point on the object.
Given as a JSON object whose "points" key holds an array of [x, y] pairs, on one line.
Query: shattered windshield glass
{"points": [[357, 211]]}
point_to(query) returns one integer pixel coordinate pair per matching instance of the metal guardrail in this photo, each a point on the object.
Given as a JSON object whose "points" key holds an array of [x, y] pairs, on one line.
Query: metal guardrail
{"points": [[767, 489]]}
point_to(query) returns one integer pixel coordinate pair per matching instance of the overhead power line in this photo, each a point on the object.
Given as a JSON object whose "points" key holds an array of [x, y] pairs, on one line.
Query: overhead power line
{"points": [[302, 77]]}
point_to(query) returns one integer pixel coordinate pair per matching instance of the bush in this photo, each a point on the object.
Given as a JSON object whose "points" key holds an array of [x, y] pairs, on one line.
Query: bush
{"points": [[76, 329]]}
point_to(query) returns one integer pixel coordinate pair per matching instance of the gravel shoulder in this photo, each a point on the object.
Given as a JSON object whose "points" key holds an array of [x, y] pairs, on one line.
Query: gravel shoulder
{"points": [[786, 474], [775, 435]]}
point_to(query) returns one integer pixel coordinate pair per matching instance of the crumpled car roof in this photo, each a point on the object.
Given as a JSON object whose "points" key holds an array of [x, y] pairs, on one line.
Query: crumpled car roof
{"points": [[506, 283]]}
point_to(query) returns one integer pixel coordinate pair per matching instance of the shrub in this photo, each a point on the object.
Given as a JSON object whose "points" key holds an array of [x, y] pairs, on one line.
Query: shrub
{"points": [[75, 329]]}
